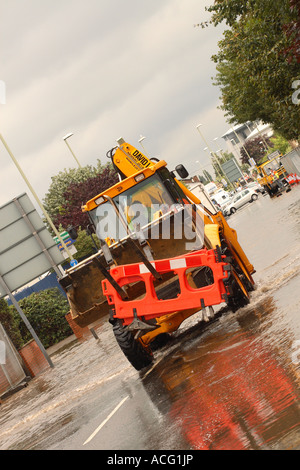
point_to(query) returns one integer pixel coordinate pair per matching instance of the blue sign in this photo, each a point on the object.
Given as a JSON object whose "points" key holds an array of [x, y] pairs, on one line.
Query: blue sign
{"points": [[67, 242], [73, 262]]}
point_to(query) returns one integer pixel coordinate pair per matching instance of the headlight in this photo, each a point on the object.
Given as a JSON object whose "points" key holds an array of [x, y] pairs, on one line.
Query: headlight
{"points": [[99, 200], [139, 177]]}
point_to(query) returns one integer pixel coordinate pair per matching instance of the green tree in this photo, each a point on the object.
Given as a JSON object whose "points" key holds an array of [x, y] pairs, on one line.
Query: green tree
{"points": [[72, 188], [208, 176], [256, 148], [46, 312], [54, 198], [85, 245], [281, 144], [253, 71], [78, 193]]}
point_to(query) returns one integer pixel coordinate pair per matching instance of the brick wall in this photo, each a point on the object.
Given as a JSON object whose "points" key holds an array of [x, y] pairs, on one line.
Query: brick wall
{"points": [[33, 358], [81, 333]]}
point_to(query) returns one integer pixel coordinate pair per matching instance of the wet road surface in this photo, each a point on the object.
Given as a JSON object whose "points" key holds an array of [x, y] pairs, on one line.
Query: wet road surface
{"points": [[229, 384]]}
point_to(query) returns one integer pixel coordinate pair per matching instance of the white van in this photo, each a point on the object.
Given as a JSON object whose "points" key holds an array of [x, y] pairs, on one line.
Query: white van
{"points": [[221, 197]]}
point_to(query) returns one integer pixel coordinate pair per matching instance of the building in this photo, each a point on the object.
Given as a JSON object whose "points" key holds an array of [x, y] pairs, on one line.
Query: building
{"points": [[238, 135]]}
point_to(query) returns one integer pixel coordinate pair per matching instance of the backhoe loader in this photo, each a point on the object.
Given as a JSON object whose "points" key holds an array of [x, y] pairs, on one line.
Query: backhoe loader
{"points": [[272, 177], [164, 257]]}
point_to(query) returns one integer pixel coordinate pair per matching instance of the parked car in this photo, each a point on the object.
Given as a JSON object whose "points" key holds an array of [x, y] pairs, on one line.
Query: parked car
{"points": [[239, 200]]}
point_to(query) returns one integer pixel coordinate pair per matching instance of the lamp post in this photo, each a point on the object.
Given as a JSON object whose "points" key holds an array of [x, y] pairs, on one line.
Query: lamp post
{"points": [[215, 166], [267, 148], [36, 197], [239, 140], [212, 154], [65, 138], [230, 184], [141, 139], [198, 128], [233, 146]]}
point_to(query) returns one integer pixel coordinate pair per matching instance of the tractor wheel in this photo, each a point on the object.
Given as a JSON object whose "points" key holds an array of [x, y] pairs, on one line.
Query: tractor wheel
{"points": [[240, 296], [138, 355], [238, 265]]}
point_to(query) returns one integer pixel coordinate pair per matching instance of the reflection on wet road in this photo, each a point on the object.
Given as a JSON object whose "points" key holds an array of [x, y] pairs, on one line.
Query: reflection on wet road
{"points": [[228, 389], [229, 384]]}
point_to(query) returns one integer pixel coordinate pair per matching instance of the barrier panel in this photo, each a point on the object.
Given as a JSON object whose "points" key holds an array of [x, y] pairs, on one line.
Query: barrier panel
{"points": [[189, 297]]}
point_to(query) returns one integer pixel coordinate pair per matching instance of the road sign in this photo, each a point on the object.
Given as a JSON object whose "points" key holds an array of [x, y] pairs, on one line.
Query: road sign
{"points": [[71, 250], [27, 249], [64, 235], [232, 170], [68, 241]]}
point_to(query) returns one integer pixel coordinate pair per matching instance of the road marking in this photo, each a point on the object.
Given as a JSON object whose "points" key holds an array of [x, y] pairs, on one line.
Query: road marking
{"points": [[106, 420]]}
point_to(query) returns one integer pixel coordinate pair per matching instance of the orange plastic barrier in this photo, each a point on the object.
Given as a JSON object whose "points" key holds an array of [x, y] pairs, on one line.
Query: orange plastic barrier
{"points": [[150, 306], [293, 178]]}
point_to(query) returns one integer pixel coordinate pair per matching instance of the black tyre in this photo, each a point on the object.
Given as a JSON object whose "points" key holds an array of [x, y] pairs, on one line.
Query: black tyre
{"points": [[160, 341], [238, 264], [138, 356], [232, 210], [254, 197], [240, 295]]}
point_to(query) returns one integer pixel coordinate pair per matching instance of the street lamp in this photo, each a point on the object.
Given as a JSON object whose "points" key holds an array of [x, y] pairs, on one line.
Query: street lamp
{"points": [[267, 148], [198, 128], [239, 140], [65, 138], [36, 197], [141, 139], [215, 165]]}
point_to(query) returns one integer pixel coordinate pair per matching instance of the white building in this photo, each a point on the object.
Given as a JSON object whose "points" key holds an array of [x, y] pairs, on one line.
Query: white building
{"points": [[238, 135]]}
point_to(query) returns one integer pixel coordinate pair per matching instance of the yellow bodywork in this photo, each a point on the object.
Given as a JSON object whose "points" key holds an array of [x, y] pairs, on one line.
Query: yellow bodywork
{"points": [[268, 179], [123, 185], [213, 225], [137, 167]]}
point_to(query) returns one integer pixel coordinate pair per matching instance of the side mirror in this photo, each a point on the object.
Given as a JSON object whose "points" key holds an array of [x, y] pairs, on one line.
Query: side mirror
{"points": [[72, 232], [182, 171]]}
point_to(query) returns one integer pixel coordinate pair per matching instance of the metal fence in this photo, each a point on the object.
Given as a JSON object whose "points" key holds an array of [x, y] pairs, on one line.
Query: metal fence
{"points": [[11, 370], [48, 282]]}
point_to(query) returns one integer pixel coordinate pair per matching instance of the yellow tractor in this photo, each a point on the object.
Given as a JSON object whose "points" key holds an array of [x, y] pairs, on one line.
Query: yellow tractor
{"points": [[272, 176], [164, 257]]}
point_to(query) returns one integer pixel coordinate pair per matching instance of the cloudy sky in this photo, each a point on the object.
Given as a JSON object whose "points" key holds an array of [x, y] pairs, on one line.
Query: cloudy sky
{"points": [[104, 69]]}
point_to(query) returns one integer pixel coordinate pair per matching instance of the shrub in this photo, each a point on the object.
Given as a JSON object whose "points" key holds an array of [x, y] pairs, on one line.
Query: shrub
{"points": [[10, 324], [46, 312]]}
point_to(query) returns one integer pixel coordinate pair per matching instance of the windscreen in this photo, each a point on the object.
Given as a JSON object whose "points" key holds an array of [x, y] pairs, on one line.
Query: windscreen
{"points": [[137, 207], [271, 166]]}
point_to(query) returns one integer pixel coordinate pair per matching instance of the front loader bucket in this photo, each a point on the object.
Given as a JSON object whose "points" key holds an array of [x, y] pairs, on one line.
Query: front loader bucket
{"points": [[82, 283]]}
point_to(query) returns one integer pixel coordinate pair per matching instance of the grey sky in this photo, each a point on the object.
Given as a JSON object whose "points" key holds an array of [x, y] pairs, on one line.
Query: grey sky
{"points": [[103, 69]]}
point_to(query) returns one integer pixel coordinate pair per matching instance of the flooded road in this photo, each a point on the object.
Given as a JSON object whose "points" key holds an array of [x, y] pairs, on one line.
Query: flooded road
{"points": [[229, 384]]}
